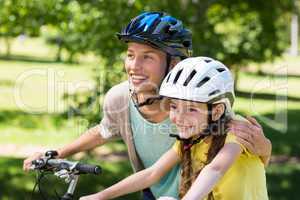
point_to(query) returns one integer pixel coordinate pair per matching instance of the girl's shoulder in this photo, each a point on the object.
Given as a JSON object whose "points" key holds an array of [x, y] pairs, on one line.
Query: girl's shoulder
{"points": [[231, 138]]}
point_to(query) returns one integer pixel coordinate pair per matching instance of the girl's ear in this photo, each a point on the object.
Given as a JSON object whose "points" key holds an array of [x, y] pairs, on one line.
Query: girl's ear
{"points": [[217, 111], [174, 61], [165, 104]]}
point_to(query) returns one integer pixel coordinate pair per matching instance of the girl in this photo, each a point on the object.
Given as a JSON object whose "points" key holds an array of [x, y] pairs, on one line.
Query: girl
{"points": [[214, 165]]}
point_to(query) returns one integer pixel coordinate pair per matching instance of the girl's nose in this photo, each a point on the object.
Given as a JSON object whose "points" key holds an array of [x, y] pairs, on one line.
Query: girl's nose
{"points": [[180, 117]]}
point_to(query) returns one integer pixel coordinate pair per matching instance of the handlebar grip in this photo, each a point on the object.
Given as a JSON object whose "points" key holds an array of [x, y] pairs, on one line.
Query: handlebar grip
{"points": [[88, 169]]}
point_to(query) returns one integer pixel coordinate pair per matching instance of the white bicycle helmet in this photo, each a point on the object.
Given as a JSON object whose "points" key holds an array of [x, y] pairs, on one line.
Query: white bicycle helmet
{"points": [[200, 79]]}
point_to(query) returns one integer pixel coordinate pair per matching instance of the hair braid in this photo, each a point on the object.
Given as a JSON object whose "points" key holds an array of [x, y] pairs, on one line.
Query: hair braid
{"points": [[186, 171]]}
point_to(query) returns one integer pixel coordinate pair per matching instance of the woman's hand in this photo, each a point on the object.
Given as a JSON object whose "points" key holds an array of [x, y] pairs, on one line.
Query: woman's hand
{"points": [[250, 134], [28, 161]]}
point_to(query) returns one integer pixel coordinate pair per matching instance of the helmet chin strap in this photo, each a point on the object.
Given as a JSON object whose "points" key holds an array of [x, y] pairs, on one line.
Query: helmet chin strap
{"points": [[188, 143], [150, 100]]}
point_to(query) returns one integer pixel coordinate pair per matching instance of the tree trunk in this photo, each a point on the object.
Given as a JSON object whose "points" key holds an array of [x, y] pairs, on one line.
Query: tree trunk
{"points": [[8, 46], [58, 53], [294, 35], [236, 76], [71, 57], [259, 70]]}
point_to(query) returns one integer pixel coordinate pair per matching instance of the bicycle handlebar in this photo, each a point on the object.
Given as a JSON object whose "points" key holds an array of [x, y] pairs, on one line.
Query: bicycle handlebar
{"points": [[65, 169], [51, 164], [88, 169]]}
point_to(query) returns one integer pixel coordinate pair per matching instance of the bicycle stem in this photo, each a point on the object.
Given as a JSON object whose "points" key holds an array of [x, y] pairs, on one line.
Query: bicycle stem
{"points": [[69, 194]]}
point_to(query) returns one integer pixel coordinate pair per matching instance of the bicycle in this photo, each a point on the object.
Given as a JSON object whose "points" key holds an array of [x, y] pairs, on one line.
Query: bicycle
{"points": [[65, 169]]}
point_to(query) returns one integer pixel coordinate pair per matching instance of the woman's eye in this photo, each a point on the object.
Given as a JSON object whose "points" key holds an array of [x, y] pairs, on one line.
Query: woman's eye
{"points": [[129, 55], [147, 57]]}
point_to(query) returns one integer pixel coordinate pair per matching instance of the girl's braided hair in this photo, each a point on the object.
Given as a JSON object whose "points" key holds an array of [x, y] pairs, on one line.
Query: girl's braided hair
{"points": [[188, 174]]}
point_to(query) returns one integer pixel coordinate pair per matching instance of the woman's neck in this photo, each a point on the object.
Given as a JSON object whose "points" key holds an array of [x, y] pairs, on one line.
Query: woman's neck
{"points": [[155, 112]]}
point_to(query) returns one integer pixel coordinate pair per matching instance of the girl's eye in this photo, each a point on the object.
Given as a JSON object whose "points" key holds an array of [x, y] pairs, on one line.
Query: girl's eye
{"points": [[172, 106], [192, 110]]}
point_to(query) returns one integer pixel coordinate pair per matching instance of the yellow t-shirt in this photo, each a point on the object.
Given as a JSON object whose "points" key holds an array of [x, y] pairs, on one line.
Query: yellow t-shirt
{"points": [[244, 180]]}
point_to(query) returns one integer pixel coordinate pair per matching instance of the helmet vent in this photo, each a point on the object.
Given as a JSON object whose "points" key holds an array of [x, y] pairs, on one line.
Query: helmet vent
{"points": [[207, 60], [221, 70], [189, 78], [168, 77], [177, 76], [214, 92], [202, 82], [186, 43]]}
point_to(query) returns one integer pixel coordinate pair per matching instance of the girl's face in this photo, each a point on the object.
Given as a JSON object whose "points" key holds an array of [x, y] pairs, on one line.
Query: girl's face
{"points": [[190, 118], [145, 66]]}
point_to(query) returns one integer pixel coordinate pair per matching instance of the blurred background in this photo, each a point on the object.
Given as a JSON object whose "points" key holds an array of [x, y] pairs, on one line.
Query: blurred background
{"points": [[59, 57]]}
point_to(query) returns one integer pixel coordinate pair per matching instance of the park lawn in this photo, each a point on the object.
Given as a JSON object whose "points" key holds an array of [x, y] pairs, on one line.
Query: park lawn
{"points": [[39, 87], [31, 114]]}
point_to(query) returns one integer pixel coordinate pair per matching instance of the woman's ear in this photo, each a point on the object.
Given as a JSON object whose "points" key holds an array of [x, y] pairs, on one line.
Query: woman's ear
{"points": [[217, 111]]}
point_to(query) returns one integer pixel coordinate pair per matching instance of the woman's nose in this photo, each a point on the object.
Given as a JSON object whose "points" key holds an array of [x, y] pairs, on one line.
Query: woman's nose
{"points": [[135, 64]]}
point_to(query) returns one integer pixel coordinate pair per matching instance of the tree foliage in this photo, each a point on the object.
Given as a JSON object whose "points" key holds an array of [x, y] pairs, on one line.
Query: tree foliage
{"points": [[232, 31]]}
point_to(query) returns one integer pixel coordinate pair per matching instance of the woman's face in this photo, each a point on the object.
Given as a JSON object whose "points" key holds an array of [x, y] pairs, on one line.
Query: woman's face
{"points": [[190, 118], [145, 66]]}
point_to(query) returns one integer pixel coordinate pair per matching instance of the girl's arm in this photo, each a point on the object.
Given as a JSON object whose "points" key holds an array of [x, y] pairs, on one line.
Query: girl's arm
{"points": [[213, 172], [139, 180]]}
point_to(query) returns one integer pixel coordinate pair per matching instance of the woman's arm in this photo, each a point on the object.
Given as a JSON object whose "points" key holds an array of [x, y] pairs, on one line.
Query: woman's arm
{"points": [[250, 134], [139, 180], [90, 139], [212, 172]]}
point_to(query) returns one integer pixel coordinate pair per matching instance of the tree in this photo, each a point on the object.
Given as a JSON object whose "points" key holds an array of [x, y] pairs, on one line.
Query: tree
{"points": [[18, 17], [234, 32], [27, 17]]}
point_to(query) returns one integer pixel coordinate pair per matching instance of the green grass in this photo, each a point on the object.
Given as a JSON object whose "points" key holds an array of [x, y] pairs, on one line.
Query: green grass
{"points": [[283, 181], [31, 96], [268, 84], [30, 109], [39, 87], [31, 47]]}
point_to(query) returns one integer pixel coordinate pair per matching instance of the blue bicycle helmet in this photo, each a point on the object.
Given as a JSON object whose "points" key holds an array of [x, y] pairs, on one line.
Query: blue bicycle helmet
{"points": [[161, 31]]}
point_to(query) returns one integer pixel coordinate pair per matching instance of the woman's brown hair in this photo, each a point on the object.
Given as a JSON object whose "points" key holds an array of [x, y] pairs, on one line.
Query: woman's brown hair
{"points": [[188, 175]]}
